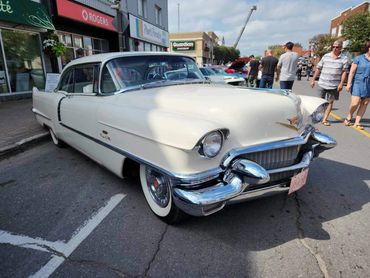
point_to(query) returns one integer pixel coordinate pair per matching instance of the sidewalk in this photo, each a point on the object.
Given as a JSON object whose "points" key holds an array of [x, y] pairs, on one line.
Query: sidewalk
{"points": [[18, 126]]}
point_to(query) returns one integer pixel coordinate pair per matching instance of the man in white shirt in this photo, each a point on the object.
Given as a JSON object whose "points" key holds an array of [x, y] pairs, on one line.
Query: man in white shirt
{"points": [[333, 69], [287, 67]]}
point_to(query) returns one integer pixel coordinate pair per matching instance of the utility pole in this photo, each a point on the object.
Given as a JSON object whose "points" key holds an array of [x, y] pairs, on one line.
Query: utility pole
{"points": [[253, 8], [117, 7], [178, 17]]}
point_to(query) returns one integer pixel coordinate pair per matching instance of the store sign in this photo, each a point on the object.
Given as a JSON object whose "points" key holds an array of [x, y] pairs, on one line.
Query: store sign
{"points": [[183, 45], [145, 31], [81, 13], [25, 12]]}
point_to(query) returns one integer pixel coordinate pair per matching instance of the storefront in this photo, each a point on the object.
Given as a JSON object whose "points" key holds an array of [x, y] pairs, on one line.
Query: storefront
{"points": [[82, 27], [145, 36], [21, 63]]}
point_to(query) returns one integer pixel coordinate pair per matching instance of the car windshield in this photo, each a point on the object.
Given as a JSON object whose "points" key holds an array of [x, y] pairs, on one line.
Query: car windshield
{"points": [[125, 72], [207, 72]]}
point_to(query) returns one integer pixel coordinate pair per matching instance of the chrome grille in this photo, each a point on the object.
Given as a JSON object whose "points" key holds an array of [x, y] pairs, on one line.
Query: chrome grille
{"points": [[274, 159]]}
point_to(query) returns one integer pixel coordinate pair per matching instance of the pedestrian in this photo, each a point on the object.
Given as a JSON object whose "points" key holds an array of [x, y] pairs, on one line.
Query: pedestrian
{"points": [[80, 53], [299, 71], [309, 70], [358, 85], [268, 68], [253, 71], [333, 67], [287, 67]]}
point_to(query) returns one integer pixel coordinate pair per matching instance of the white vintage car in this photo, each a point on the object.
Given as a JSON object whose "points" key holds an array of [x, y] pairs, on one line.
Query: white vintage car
{"points": [[196, 146]]}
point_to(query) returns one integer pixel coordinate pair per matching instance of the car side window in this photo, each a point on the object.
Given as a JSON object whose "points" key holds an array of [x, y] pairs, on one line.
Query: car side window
{"points": [[67, 81], [84, 79], [107, 84]]}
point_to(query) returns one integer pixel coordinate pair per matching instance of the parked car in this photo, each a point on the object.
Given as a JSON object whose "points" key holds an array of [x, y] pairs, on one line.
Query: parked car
{"points": [[192, 143], [230, 78], [219, 77]]}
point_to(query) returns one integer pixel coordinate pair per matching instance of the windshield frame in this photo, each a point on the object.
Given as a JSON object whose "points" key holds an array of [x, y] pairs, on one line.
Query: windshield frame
{"points": [[189, 62]]}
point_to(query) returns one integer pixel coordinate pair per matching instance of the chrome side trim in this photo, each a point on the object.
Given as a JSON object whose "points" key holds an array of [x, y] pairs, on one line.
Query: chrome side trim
{"points": [[190, 179], [263, 147], [37, 112]]}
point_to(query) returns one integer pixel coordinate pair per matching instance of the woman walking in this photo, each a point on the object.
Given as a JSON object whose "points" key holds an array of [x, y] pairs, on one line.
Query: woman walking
{"points": [[359, 85]]}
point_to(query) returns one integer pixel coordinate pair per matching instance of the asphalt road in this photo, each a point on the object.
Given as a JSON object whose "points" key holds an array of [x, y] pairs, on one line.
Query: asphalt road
{"points": [[63, 215]]}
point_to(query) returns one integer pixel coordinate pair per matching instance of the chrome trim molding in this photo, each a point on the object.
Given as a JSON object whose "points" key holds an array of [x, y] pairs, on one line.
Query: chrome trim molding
{"points": [[305, 162], [263, 147], [251, 172], [37, 112], [326, 141]]}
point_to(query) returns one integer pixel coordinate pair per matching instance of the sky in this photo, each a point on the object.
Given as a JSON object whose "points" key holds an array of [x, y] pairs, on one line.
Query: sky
{"points": [[274, 21]]}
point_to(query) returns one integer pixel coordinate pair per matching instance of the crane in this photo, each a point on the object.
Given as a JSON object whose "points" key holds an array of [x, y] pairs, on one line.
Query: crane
{"points": [[253, 8]]}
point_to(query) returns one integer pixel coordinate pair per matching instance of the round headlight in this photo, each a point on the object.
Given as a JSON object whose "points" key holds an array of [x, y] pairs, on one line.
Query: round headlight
{"points": [[212, 144], [318, 115]]}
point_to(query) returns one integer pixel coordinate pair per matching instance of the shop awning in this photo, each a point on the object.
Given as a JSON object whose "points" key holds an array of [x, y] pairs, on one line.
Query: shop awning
{"points": [[26, 12]]}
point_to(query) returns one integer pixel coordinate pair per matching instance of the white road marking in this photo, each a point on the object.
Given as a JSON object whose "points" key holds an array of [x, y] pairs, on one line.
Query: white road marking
{"points": [[65, 249], [29, 242]]}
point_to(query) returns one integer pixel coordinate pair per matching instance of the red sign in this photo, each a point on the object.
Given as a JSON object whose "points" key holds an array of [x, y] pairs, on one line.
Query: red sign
{"points": [[81, 13]]}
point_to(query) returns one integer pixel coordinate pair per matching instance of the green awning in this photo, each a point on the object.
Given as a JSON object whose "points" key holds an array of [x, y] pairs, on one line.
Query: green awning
{"points": [[26, 12]]}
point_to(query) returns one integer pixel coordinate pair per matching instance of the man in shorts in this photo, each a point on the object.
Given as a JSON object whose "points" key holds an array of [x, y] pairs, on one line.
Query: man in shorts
{"points": [[333, 67]]}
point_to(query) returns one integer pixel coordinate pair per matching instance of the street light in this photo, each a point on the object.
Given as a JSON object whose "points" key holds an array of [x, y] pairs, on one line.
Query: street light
{"points": [[253, 8], [117, 6]]}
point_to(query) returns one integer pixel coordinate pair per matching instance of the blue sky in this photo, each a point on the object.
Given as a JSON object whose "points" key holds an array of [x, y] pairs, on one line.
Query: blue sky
{"points": [[274, 22]]}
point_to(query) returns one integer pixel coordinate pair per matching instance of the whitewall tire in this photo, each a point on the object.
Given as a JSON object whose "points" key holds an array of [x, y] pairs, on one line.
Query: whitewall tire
{"points": [[157, 192]]}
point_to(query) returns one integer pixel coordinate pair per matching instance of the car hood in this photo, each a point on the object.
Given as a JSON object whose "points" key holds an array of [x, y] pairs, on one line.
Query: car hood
{"points": [[181, 115]]}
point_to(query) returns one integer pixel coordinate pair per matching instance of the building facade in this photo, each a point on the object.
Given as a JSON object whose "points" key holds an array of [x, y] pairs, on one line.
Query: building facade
{"points": [[21, 59], [87, 26], [336, 23], [199, 45]]}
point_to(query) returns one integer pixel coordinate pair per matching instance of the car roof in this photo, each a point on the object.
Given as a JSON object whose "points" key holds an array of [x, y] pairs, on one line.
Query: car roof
{"points": [[111, 55]]}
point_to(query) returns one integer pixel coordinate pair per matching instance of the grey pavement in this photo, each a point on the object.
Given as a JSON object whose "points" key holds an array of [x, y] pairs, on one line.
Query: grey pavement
{"points": [[19, 128]]}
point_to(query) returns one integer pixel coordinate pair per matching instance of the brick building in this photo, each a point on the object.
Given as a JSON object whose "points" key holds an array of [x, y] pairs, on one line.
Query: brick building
{"points": [[337, 22], [198, 45]]}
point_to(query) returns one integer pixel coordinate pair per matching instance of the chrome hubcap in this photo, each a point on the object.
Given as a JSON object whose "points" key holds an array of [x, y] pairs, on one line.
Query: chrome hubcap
{"points": [[159, 187]]}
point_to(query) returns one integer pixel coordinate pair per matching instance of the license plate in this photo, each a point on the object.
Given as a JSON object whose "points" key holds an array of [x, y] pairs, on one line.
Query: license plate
{"points": [[298, 181]]}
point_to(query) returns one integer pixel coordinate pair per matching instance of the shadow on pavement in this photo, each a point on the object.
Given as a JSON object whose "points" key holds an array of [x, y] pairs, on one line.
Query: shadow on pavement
{"points": [[266, 223]]}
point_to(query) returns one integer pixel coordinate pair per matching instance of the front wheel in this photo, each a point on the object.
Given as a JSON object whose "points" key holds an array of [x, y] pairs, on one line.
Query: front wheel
{"points": [[157, 191]]}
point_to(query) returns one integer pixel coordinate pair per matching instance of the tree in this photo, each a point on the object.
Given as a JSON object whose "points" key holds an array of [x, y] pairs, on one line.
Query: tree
{"points": [[224, 54], [321, 44], [356, 29], [276, 50]]}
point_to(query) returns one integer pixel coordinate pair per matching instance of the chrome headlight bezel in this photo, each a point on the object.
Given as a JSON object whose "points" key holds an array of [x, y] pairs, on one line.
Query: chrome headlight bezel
{"points": [[211, 144], [318, 114]]}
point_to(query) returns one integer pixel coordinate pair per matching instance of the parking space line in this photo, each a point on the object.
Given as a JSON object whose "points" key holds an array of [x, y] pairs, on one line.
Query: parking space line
{"points": [[61, 251], [339, 118], [78, 237], [32, 243]]}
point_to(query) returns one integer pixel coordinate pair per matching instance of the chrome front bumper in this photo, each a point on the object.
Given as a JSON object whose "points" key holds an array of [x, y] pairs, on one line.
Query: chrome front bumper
{"points": [[239, 178]]}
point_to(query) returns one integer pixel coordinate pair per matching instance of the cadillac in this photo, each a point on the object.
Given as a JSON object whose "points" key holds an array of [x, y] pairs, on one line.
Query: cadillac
{"points": [[196, 146]]}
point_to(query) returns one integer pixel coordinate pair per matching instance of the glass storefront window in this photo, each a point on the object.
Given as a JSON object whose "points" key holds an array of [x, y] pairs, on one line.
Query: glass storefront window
{"points": [[23, 58], [77, 42], [88, 45], [3, 81]]}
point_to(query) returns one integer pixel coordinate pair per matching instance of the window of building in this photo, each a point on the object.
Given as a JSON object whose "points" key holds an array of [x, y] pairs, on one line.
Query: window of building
{"points": [[340, 28], [74, 42], [142, 8], [23, 57], [334, 32], [158, 15]]}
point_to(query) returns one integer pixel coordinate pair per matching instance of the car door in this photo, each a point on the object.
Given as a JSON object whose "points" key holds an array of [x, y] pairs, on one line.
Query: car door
{"points": [[77, 111]]}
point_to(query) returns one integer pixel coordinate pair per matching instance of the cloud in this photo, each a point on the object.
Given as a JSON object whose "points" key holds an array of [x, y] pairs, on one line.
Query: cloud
{"points": [[274, 22]]}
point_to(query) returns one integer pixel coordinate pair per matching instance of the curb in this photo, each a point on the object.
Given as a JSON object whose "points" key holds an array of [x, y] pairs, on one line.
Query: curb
{"points": [[22, 145]]}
